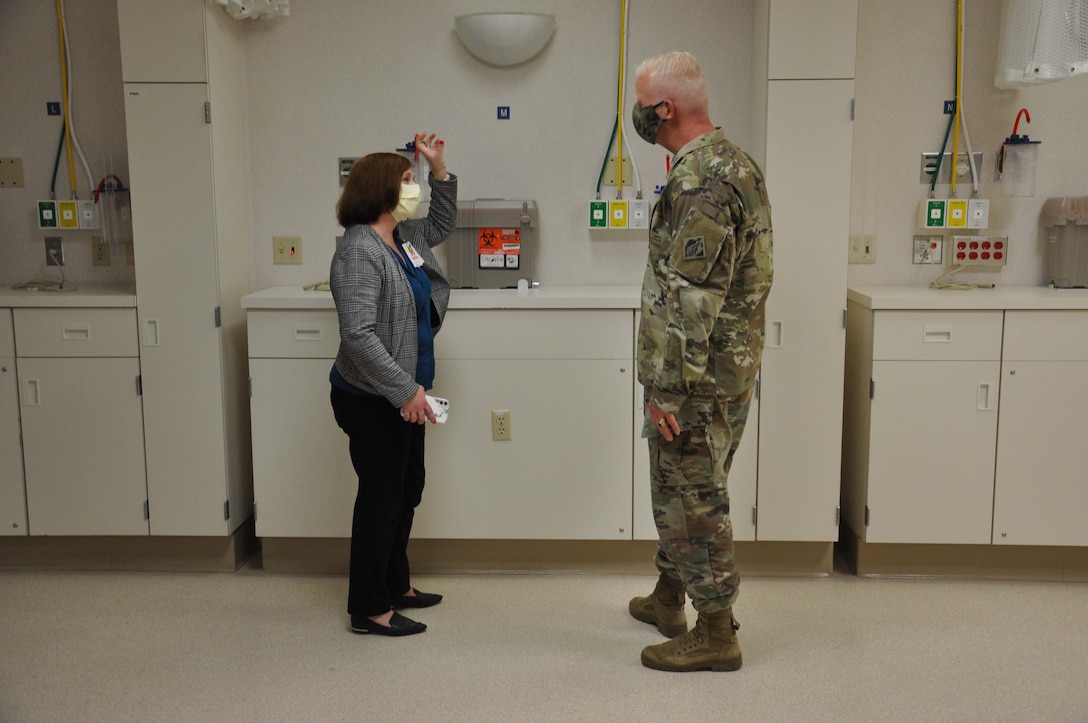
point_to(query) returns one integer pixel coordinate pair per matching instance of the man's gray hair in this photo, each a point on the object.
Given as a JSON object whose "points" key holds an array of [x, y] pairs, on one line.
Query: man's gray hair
{"points": [[676, 75]]}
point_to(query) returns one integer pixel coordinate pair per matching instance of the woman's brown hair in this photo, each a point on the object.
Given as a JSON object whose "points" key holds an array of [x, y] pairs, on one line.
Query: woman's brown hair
{"points": [[372, 188]]}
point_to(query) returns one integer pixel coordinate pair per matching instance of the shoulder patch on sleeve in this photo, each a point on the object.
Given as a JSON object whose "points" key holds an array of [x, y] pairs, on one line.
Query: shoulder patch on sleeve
{"points": [[697, 246]]}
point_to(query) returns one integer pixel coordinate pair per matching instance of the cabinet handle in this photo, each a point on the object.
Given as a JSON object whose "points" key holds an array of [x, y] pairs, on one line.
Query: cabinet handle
{"points": [[303, 334], [774, 339], [984, 397], [151, 332], [33, 396], [73, 332], [936, 334]]}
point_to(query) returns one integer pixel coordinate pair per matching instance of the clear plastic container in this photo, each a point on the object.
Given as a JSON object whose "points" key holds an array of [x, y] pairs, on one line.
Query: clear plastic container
{"points": [[1066, 223]]}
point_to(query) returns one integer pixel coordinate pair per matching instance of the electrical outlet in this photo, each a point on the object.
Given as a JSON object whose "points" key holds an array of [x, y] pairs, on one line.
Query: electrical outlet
{"points": [[287, 250], [862, 249], [500, 425], [928, 249], [980, 250], [100, 251], [54, 251]]}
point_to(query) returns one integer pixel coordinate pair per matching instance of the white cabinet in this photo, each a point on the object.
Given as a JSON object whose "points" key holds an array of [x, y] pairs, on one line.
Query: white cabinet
{"points": [[800, 414], [564, 376], [804, 138], [303, 481], [927, 484], [966, 424], [812, 40], [1041, 488], [81, 421], [186, 152], [12, 486]]}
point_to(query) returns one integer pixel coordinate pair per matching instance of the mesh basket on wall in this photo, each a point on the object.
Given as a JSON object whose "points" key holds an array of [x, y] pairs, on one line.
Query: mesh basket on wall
{"points": [[1042, 41]]}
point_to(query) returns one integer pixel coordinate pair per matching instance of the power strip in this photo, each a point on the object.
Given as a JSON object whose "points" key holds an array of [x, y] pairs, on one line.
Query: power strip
{"points": [[980, 251]]}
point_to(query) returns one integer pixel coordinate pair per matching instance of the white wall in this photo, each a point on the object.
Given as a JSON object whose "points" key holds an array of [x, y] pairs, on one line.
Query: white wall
{"points": [[346, 77], [905, 70], [30, 59]]}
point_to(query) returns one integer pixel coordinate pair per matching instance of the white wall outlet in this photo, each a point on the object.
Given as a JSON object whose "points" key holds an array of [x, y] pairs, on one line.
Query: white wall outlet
{"points": [[928, 249], [500, 425], [54, 251], [100, 251]]}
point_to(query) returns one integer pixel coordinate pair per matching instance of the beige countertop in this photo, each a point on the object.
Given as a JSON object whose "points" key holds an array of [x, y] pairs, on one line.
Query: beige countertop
{"points": [[84, 296], [553, 297], [999, 297]]}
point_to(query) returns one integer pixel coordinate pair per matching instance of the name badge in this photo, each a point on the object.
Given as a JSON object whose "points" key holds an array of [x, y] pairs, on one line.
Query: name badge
{"points": [[413, 255]]}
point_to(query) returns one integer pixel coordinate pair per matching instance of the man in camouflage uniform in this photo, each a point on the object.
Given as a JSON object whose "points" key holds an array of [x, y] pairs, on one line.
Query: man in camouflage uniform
{"points": [[699, 348]]}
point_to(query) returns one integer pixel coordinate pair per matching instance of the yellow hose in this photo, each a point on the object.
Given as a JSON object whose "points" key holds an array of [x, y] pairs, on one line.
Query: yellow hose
{"points": [[619, 107], [959, 90], [64, 93]]}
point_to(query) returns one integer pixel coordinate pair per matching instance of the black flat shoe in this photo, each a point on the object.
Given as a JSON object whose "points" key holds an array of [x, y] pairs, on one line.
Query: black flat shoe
{"points": [[419, 600], [398, 625]]}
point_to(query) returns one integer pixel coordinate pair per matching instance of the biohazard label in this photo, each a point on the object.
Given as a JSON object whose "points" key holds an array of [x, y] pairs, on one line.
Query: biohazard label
{"points": [[499, 247]]}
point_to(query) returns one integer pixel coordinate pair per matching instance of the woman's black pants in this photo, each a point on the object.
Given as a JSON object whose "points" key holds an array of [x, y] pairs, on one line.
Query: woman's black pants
{"points": [[387, 454]]}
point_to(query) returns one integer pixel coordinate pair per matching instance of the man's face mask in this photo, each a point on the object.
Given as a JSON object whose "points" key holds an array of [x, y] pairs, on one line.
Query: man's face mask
{"points": [[646, 121]]}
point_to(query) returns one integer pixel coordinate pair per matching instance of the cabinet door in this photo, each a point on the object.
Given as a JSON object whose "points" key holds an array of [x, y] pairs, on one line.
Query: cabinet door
{"points": [[176, 280], [12, 486], [82, 446], [303, 481], [1040, 494], [162, 41], [800, 427], [812, 39], [564, 474], [931, 451]]}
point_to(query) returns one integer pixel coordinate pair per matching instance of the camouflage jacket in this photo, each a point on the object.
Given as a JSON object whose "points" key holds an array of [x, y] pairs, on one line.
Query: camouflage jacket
{"points": [[708, 274]]}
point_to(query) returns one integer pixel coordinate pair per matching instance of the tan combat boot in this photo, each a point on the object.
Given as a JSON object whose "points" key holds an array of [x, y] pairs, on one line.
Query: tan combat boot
{"points": [[710, 645], [663, 608]]}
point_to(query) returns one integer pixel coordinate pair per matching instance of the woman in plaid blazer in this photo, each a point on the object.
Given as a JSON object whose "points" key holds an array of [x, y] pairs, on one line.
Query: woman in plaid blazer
{"points": [[391, 296]]}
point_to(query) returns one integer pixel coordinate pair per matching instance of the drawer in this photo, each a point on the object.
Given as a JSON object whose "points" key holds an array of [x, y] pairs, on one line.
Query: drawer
{"points": [[294, 334], [535, 334], [937, 335], [75, 332], [7, 336], [1046, 336]]}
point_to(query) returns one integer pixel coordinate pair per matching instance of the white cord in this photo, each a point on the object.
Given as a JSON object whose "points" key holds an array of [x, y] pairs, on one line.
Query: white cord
{"points": [[71, 121], [623, 124], [963, 124]]}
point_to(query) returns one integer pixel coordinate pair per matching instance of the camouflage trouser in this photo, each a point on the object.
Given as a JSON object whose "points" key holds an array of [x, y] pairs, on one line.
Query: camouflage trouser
{"points": [[691, 504]]}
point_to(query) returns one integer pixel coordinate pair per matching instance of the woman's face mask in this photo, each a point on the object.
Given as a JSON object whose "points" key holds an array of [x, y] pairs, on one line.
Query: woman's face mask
{"points": [[646, 121], [408, 203]]}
